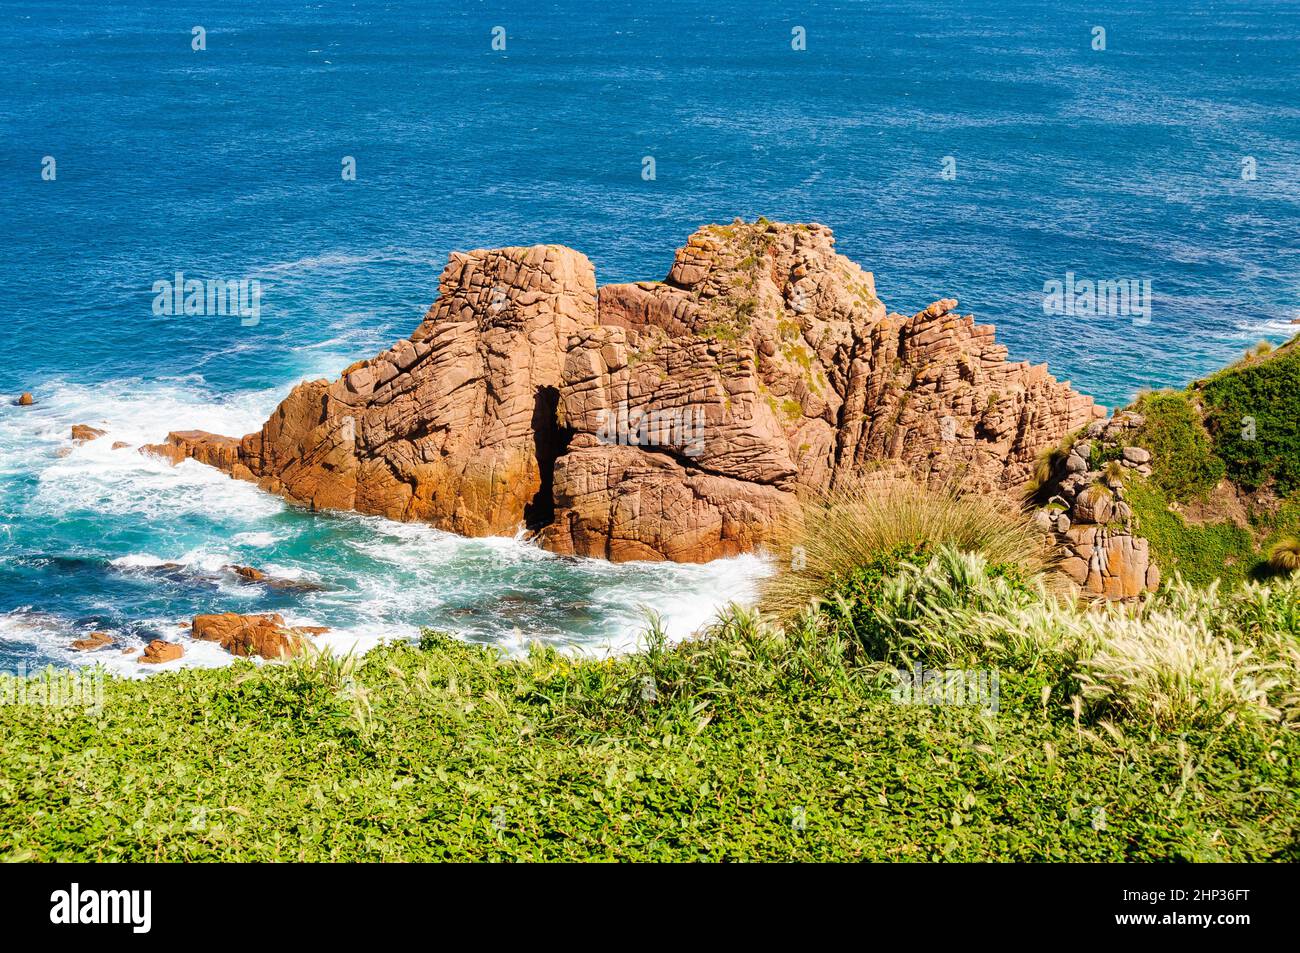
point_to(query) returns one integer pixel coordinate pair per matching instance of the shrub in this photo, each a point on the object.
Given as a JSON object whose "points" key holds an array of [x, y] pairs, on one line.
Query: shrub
{"points": [[837, 536], [1253, 414], [1183, 463]]}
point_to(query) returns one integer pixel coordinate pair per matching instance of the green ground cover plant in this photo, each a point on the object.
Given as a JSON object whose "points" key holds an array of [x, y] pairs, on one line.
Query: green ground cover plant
{"points": [[1161, 731]]}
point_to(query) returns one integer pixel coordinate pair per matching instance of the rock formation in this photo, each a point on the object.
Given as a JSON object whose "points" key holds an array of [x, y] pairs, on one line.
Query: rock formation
{"points": [[1087, 516], [454, 426], [247, 635], [655, 420], [159, 651], [81, 433], [93, 642]]}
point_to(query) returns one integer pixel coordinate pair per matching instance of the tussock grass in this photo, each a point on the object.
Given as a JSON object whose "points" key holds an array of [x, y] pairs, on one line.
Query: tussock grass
{"points": [[1284, 555], [834, 533]]}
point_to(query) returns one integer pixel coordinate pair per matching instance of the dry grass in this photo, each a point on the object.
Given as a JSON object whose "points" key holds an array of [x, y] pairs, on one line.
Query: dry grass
{"points": [[833, 533], [1284, 556]]}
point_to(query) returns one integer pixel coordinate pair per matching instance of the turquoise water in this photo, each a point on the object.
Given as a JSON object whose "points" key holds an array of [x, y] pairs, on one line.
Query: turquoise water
{"points": [[225, 163]]}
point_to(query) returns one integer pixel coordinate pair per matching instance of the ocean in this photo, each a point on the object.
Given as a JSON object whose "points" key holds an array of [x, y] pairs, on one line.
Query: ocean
{"points": [[976, 150]]}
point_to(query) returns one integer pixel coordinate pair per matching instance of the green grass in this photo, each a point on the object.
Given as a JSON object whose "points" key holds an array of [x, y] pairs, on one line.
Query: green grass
{"points": [[1200, 553], [1184, 463], [1204, 552], [756, 744], [1252, 410]]}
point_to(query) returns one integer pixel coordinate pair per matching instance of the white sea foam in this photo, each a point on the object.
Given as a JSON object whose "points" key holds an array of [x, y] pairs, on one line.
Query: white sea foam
{"points": [[383, 579], [259, 540], [94, 476]]}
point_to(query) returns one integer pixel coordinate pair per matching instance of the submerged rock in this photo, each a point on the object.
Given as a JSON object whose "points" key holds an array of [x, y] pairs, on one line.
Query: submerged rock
{"points": [[25, 400], [253, 575], [249, 573]]}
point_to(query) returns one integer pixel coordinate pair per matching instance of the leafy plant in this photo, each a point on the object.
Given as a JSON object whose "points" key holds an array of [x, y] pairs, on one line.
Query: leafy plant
{"points": [[1253, 413], [1184, 463]]}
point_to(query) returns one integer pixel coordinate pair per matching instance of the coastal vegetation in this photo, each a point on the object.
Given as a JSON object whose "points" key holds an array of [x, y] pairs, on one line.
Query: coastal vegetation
{"points": [[1157, 731], [921, 680], [1222, 497]]}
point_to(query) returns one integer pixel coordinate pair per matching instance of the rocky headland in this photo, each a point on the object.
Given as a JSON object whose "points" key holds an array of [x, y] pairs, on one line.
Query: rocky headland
{"points": [[673, 419]]}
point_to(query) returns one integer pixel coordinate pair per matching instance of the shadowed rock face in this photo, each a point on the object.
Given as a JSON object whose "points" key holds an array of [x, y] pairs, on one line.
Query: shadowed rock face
{"points": [[671, 420]]}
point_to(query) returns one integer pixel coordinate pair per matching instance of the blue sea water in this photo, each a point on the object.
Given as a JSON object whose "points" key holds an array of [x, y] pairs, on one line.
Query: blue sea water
{"points": [[225, 163]]}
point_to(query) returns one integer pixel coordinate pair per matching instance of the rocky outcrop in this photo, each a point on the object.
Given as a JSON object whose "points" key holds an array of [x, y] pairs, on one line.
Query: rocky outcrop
{"points": [[81, 433], [1111, 563], [454, 426], [247, 635], [1088, 517], [158, 651], [655, 420], [93, 642]]}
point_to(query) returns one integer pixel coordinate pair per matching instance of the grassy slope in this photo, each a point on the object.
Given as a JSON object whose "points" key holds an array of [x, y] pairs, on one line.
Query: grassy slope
{"points": [[446, 752], [1197, 437]]}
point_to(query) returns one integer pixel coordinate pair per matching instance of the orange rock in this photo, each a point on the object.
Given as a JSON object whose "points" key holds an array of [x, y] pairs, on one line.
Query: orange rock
{"points": [[96, 640], [164, 451], [670, 420], [1112, 563], [249, 573], [158, 651], [83, 432], [247, 635], [25, 400], [120, 444]]}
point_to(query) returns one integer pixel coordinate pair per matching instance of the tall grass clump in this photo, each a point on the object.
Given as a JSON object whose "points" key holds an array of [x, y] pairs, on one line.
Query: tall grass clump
{"points": [[1172, 673], [926, 611], [1284, 556], [833, 535]]}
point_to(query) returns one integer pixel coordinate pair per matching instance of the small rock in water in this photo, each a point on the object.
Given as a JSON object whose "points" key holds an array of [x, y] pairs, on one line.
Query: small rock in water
{"points": [[245, 635], [83, 432], [96, 640], [158, 651], [25, 400]]}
